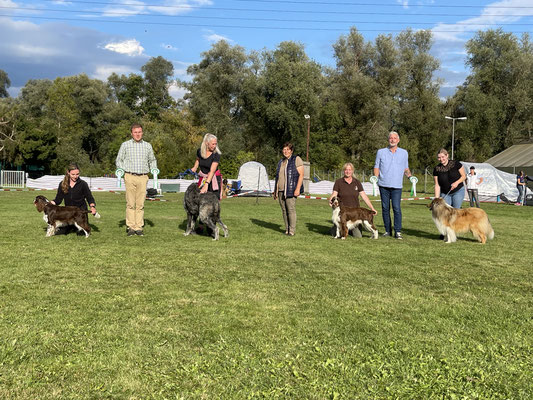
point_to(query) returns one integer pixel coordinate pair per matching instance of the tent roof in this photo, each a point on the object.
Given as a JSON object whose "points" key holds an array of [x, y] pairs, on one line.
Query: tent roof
{"points": [[518, 155]]}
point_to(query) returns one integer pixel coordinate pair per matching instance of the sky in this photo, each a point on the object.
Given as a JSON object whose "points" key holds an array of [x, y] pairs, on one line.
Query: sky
{"points": [[55, 38]]}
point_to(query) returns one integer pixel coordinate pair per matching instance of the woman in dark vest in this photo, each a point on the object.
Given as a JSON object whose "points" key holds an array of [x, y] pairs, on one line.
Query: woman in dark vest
{"points": [[288, 186]]}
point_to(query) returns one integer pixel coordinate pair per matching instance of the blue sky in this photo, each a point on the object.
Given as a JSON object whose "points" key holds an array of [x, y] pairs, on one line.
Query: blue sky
{"points": [[52, 38]]}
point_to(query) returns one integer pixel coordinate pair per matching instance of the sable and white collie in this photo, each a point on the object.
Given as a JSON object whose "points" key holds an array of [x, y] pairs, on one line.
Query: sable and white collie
{"points": [[451, 221], [348, 218]]}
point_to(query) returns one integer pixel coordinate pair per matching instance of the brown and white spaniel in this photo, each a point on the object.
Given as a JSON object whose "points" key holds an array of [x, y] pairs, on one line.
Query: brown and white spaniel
{"points": [[57, 216], [348, 218]]}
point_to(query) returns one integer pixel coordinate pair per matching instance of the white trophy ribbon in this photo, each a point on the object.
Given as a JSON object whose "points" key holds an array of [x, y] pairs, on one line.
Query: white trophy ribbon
{"points": [[119, 173], [413, 180], [374, 181], [155, 172]]}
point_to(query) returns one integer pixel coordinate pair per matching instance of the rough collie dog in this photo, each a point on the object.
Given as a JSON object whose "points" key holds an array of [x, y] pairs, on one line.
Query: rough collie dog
{"points": [[205, 207], [348, 218], [58, 216], [451, 221]]}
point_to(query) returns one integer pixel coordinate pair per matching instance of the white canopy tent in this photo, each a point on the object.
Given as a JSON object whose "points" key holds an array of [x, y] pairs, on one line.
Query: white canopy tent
{"points": [[495, 182], [254, 177]]}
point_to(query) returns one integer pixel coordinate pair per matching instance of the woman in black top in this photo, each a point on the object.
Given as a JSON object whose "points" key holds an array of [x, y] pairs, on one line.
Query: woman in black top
{"points": [[208, 159], [449, 176], [74, 190]]}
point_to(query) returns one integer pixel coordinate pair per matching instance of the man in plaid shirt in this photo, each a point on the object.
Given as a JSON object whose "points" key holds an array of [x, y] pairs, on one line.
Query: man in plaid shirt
{"points": [[136, 158]]}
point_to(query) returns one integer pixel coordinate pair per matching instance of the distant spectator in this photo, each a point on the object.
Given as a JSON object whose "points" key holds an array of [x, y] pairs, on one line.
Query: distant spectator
{"points": [[520, 185], [472, 185]]}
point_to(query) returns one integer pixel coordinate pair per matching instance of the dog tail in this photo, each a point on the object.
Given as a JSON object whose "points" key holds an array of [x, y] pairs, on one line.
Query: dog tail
{"points": [[490, 234]]}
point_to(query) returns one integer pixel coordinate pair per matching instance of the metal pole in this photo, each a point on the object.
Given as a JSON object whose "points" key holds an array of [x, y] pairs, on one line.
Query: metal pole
{"points": [[453, 134], [308, 131]]}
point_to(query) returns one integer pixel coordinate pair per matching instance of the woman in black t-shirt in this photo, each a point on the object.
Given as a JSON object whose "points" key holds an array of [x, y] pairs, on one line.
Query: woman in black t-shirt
{"points": [[208, 159], [449, 176]]}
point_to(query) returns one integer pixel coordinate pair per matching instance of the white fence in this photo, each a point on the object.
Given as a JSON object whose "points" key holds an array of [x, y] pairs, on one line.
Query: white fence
{"points": [[12, 179]]}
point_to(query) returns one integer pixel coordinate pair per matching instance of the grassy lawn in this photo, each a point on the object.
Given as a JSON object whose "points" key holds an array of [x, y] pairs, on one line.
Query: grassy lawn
{"points": [[260, 314]]}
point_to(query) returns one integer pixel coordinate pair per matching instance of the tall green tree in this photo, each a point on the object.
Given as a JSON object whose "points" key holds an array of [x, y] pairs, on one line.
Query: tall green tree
{"points": [[291, 86], [497, 96], [158, 73], [215, 93], [419, 115], [5, 83]]}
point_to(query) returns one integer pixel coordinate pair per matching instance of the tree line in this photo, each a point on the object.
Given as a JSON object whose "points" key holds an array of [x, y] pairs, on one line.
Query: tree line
{"points": [[256, 101]]}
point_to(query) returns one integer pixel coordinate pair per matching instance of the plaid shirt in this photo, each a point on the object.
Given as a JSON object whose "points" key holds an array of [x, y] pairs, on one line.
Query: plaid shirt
{"points": [[136, 157]]}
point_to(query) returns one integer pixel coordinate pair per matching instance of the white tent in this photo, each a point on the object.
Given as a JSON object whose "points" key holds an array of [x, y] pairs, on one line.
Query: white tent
{"points": [[254, 177], [495, 182]]}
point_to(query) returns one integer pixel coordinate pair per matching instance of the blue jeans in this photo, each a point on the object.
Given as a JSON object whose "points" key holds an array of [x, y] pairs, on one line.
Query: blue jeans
{"points": [[393, 195], [520, 193], [454, 199]]}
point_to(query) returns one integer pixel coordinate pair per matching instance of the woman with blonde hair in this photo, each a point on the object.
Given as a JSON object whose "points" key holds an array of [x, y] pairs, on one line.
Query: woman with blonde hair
{"points": [[449, 176], [208, 160]]}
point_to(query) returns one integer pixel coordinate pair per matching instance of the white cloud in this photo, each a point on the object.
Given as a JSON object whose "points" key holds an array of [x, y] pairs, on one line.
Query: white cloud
{"points": [[214, 37], [180, 68], [102, 72], [51, 50], [177, 92], [130, 47], [167, 7]]}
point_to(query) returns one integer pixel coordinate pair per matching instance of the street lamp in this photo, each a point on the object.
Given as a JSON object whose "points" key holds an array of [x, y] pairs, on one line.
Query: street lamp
{"points": [[453, 129], [308, 118]]}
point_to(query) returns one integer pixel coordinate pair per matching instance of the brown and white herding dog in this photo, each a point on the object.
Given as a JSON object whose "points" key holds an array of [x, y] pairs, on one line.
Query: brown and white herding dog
{"points": [[348, 218], [57, 216], [451, 221]]}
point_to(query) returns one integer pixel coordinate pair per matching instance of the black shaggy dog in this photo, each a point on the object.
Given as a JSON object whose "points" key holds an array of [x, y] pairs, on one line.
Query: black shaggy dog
{"points": [[204, 206]]}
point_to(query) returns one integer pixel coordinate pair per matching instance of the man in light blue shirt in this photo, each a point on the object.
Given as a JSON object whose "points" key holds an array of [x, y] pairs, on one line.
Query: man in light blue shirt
{"points": [[136, 158], [390, 166]]}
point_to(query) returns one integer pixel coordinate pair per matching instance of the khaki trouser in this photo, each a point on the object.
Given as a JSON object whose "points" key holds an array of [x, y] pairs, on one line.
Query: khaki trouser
{"points": [[288, 209], [135, 196]]}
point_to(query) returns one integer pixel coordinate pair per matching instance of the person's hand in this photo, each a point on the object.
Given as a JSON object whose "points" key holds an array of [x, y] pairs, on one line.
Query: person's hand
{"points": [[204, 188], [275, 196], [93, 210], [454, 185], [374, 211], [296, 192]]}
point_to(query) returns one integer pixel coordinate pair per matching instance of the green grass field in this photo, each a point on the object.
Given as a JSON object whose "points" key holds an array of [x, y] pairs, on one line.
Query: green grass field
{"points": [[260, 314]]}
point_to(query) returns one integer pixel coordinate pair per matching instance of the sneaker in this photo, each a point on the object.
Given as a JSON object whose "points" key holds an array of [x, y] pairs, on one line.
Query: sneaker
{"points": [[398, 236], [518, 204], [139, 233], [130, 232], [386, 234]]}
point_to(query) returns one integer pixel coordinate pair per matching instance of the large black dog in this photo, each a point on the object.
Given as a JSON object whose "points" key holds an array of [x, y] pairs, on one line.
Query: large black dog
{"points": [[204, 206]]}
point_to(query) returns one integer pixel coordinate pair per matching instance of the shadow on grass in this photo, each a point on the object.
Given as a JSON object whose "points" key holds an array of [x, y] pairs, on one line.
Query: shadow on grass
{"points": [[325, 230], [268, 225], [122, 223], [433, 235]]}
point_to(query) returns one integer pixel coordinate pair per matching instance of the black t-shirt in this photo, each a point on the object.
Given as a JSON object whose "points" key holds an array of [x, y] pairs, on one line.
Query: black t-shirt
{"points": [[205, 163], [448, 174]]}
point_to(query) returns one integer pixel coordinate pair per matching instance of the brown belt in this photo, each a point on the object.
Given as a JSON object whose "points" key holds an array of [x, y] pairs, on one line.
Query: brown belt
{"points": [[133, 173]]}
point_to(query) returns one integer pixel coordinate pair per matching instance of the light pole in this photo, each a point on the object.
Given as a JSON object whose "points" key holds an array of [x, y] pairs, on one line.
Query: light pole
{"points": [[453, 129], [308, 118]]}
